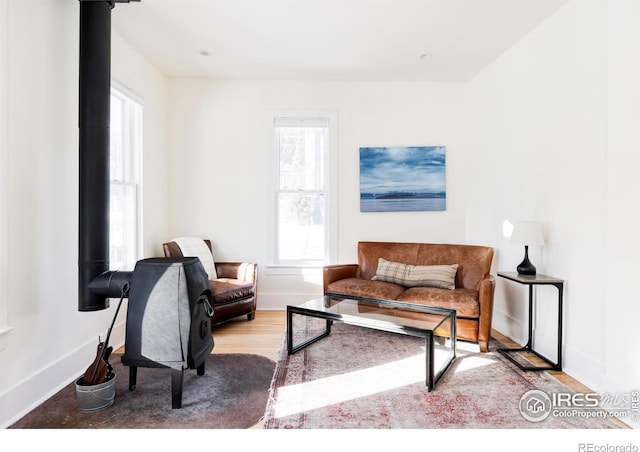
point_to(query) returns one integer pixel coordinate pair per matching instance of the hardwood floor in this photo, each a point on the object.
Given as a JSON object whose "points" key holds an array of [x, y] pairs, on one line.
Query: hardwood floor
{"points": [[262, 336]]}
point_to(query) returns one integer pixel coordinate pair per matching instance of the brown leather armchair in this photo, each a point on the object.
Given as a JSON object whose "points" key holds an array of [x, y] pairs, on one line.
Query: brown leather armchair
{"points": [[234, 289]]}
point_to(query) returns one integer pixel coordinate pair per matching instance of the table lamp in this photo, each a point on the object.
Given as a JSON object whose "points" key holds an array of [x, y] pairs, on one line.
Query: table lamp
{"points": [[527, 233]]}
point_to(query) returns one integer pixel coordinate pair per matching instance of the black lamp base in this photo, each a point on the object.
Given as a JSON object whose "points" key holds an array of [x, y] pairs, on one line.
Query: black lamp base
{"points": [[526, 267]]}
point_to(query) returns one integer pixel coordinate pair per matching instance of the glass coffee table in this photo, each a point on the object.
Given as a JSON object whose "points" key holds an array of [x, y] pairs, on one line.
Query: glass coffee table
{"points": [[436, 325]]}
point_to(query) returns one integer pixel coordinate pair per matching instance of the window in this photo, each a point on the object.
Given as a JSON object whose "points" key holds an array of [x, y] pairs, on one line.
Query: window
{"points": [[125, 191], [303, 207]]}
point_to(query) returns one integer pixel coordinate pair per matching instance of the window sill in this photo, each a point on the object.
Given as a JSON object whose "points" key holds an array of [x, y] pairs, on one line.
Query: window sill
{"points": [[292, 269]]}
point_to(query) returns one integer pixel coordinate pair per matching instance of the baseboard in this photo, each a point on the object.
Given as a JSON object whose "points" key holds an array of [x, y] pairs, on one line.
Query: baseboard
{"points": [[279, 302], [21, 399], [621, 389], [584, 368], [509, 326], [517, 331]]}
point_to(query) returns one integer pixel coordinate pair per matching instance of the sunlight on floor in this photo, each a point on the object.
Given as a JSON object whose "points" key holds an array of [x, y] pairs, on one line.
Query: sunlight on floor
{"points": [[469, 358], [359, 383], [472, 362], [364, 382]]}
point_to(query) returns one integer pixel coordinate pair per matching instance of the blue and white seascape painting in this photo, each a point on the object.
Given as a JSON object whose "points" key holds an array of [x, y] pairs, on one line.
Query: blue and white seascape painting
{"points": [[395, 179]]}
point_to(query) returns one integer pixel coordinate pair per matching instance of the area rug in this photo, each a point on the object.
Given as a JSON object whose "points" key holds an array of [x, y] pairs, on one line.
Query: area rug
{"points": [[357, 378], [231, 394]]}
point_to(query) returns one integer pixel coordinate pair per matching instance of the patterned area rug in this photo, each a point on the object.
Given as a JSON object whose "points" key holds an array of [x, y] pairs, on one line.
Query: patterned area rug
{"points": [[357, 378], [231, 394]]}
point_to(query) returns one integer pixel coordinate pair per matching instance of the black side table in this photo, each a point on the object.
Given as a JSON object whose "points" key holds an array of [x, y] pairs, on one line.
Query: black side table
{"points": [[533, 280]]}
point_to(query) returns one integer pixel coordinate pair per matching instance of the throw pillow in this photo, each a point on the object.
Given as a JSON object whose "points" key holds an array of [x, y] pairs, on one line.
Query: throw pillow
{"points": [[441, 276], [196, 247]]}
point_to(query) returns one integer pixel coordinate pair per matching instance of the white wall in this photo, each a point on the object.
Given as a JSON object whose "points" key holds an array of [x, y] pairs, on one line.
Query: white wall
{"points": [[51, 343], [219, 145], [544, 145], [42, 198], [136, 73], [4, 111], [622, 367]]}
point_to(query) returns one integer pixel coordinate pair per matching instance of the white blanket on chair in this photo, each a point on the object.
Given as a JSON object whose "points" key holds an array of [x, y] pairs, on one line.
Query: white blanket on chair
{"points": [[196, 247]]}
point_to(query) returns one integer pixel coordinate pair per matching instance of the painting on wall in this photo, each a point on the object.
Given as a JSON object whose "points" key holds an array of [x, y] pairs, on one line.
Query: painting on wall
{"points": [[409, 178]]}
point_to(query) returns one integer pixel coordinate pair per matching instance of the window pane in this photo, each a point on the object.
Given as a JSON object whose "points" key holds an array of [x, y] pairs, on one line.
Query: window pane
{"points": [[301, 157], [301, 226], [122, 227], [125, 149], [116, 129]]}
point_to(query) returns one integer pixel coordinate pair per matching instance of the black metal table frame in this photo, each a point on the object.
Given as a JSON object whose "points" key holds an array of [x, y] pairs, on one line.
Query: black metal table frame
{"points": [[432, 378], [528, 347]]}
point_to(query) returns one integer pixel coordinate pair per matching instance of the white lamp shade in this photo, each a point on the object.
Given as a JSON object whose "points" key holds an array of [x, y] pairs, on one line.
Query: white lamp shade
{"points": [[527, 233]]}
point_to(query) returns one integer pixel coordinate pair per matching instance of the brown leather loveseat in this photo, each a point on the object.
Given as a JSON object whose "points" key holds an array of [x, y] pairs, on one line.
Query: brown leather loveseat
{"points": [[234, 289], [470, 291]]}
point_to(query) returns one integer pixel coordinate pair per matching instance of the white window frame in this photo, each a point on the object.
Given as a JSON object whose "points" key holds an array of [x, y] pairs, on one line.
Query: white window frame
{"points": [[132, 140], [330, 190]]}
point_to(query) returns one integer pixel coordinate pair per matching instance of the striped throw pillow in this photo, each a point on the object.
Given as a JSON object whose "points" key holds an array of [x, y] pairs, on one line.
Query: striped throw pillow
{"points": [[441, 276]]}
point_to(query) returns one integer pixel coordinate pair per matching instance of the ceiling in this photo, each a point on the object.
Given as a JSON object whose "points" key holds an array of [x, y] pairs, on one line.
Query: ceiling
{"points": [[395, 40]]}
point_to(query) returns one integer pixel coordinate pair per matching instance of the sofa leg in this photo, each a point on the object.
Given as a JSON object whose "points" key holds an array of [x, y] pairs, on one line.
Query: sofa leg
{"points": [[484, 346], [251, 315]]}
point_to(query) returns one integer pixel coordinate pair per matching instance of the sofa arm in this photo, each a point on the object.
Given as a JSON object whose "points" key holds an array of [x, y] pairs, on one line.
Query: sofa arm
{"points": [[242, 271], [331, 273], [487, 290]]}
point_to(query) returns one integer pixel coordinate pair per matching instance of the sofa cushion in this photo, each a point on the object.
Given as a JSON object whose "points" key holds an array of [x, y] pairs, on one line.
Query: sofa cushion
{"points": [[226, 290], [464, 301], [474, 261], [442, 276], [358, 287]]}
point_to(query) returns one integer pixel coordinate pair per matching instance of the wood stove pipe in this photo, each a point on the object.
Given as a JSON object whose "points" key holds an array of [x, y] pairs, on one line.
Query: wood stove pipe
{"points": [[94, 123]]}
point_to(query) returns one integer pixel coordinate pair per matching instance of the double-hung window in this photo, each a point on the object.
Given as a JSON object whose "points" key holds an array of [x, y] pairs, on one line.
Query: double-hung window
{"points": [[125, 185], [303, 205]]}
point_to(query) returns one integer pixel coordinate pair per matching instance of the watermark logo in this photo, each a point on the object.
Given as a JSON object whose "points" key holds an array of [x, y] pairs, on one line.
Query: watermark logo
{"points": [[592, 447], [535, 405], [629, 402]]}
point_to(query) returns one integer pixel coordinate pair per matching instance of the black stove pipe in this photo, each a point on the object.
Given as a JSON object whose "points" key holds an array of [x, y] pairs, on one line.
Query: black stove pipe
{"points": [[94, 122], [112, 284]]}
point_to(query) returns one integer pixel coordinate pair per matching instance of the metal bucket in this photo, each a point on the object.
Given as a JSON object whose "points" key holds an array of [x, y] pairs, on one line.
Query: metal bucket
{"points": [[92, 398]]}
